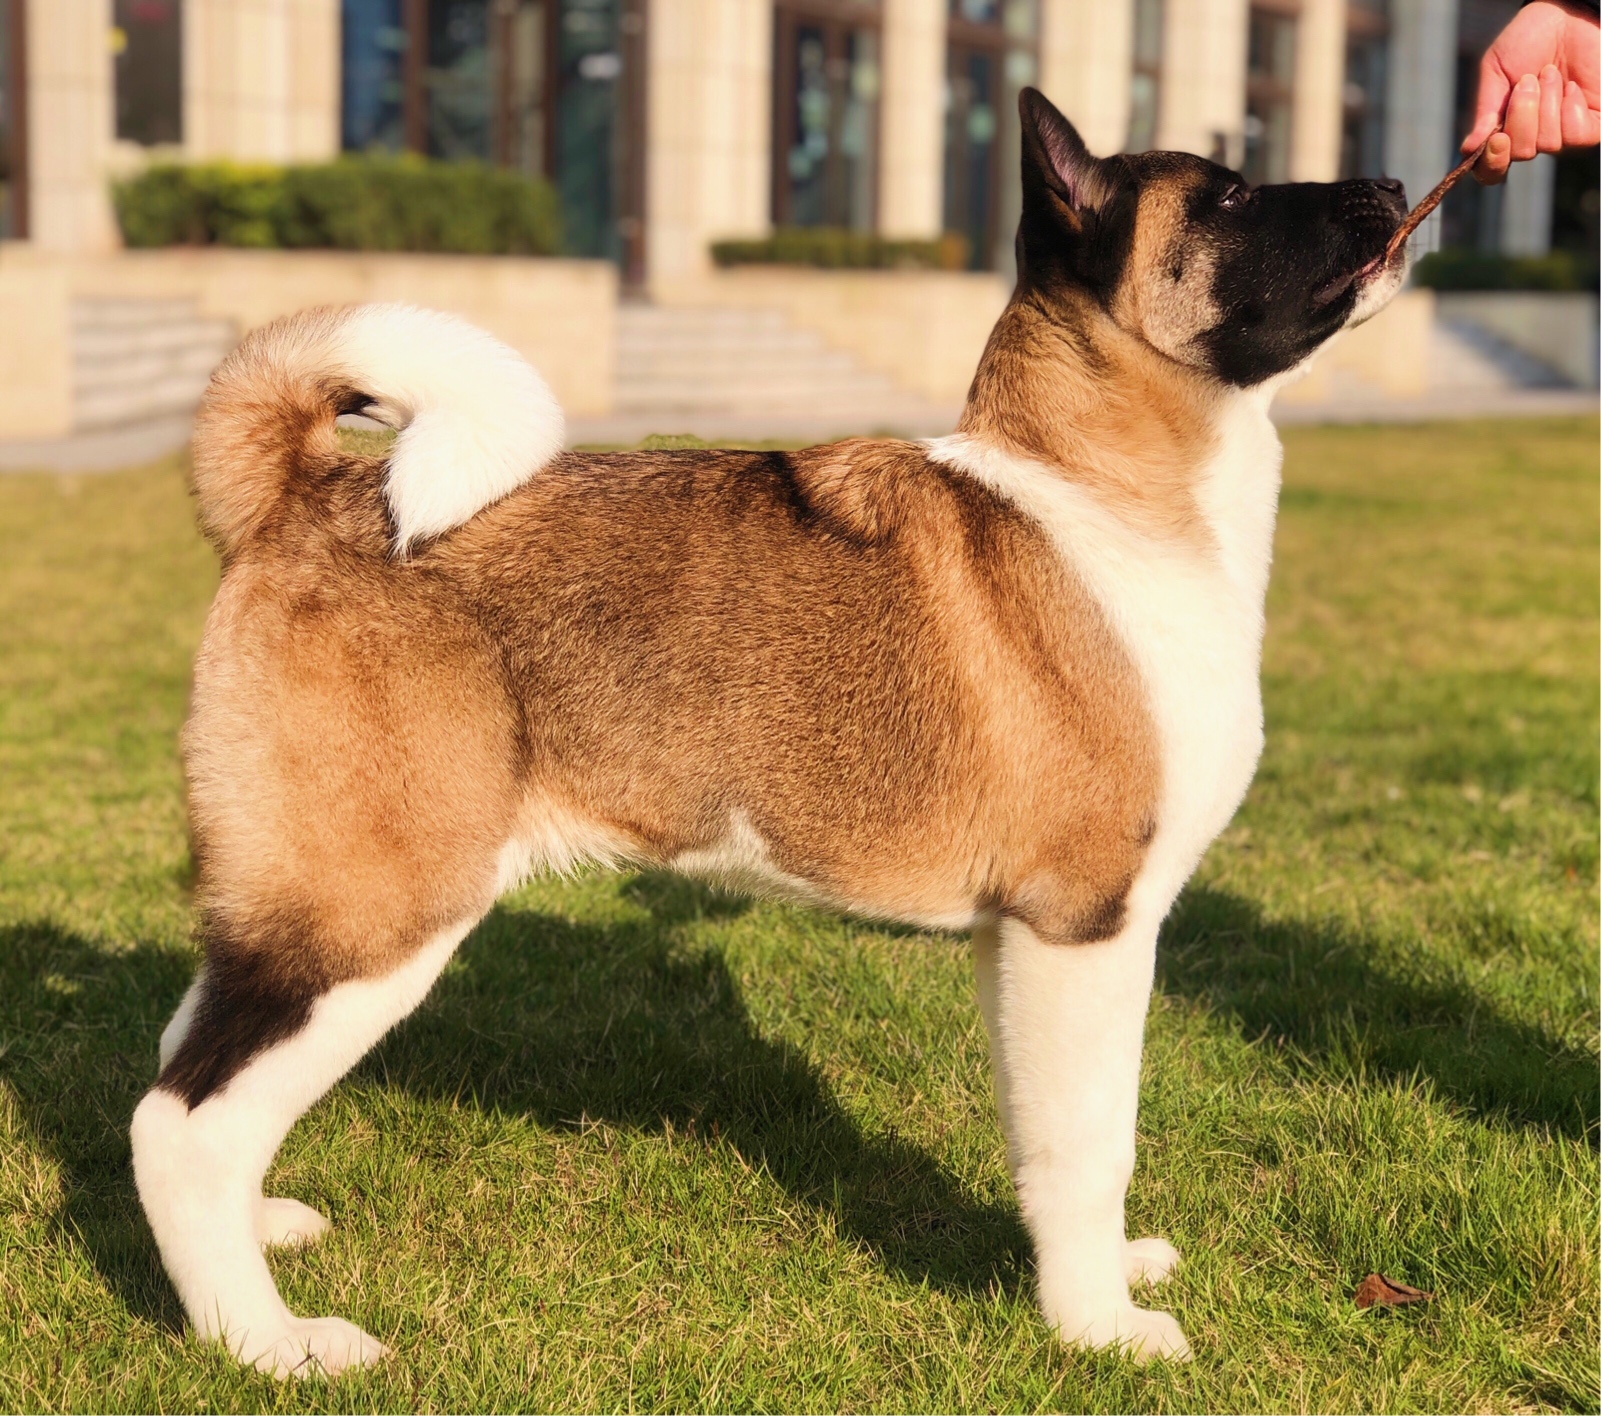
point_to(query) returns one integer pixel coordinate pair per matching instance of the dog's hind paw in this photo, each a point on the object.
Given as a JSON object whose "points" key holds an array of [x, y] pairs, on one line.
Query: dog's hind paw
{"points": [[316, 1347], [1149, 1260], [284, 1221]]}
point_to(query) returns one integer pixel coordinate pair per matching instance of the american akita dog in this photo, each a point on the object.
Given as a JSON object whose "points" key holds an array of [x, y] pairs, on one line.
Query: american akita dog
{"points": [[1005, 681]]}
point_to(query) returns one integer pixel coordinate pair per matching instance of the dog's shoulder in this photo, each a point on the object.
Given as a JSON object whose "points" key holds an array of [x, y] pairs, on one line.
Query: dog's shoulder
{"points": [[867, 490]]}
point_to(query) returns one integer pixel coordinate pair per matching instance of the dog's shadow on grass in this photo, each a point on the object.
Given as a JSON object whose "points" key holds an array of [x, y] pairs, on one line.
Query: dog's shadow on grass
{"points": [[1342, 1004], [572, 1024], [78, 1030], [564, 1021]]}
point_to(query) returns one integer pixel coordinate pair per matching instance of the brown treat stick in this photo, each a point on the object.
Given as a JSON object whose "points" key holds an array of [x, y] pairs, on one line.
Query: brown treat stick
{"points": [[1416, 217]]}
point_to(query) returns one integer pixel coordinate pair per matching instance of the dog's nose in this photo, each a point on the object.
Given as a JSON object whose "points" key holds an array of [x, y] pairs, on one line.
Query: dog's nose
{"points": [[1393, 185]]}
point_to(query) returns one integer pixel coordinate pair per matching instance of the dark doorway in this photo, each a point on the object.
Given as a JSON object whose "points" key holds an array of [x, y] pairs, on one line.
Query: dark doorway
{"points": [[990, 55], [1367, 76], [827, 72], [551, 88], [1270, 90], [13, 121], [147, 38]]}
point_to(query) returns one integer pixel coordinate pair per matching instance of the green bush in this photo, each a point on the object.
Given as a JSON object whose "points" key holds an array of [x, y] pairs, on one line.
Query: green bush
{"points": [[832, 248], [368, 203], [1489, 270]]}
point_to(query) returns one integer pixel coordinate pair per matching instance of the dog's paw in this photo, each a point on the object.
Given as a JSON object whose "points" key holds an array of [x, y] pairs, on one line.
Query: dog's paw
{"points": [[1149, 1260], [1141, 1333], [283, 1221], [316, 1347]]}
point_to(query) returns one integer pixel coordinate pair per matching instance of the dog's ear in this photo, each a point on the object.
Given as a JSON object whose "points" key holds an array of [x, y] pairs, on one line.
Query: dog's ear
{"points": [[1072, 211], [1059, 173]]}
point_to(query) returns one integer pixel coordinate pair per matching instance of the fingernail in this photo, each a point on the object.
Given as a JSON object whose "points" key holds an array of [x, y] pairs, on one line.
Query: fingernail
{"points": [[1528, 84], [1550, 74]]}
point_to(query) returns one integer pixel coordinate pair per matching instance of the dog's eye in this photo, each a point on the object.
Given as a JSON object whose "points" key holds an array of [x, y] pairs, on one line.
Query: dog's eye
{"points": [[1235, 197]]}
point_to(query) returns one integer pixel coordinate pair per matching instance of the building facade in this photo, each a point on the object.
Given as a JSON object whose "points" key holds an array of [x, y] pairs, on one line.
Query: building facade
{"points": [[667, 124]]}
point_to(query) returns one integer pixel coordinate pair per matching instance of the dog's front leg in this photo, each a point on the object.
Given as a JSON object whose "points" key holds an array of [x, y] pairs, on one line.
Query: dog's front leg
{"points": [[1066, 1023]]}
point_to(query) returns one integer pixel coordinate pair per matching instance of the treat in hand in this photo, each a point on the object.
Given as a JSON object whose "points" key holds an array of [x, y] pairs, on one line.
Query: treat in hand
{"points": [[1420, 212]]}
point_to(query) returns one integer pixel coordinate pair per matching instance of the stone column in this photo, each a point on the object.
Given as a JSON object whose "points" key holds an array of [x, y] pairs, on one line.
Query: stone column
{"points": [[71, 125], [1086, 51], [1203, 79], [1419, 144], [1318, 114], [708, 125], [314, 79], [912, 119], [261, 79], [1526, 208]]}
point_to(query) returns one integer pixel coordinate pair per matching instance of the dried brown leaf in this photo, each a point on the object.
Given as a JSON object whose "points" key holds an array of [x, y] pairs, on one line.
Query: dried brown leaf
{"points": [[1377, 1289]]}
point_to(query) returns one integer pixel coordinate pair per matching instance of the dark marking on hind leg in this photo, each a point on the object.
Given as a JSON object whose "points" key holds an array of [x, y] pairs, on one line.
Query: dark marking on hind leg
{"points": [[255, 992]]}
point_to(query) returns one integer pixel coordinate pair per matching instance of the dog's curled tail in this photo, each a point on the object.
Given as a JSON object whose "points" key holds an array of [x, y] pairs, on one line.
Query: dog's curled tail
{"points": [[475, 419]]}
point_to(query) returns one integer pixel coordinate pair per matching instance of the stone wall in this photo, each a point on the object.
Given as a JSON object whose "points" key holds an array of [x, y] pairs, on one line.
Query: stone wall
{"points": [[923, 329], [559, 314]]}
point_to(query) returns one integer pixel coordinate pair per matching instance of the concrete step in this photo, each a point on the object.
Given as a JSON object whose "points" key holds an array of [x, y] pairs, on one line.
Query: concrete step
{"points": [[692, 392], [682, 362], [730, 366], [156, 399], [632, 318], [105, 311], [92, 342], [763, 345], [137, 360], [134, 366]]}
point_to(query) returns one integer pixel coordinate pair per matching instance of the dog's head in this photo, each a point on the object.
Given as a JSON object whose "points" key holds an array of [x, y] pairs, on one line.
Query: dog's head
{"points": [[1241, 282]]}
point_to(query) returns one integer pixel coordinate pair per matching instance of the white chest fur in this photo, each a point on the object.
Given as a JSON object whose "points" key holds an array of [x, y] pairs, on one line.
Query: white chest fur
{"points": [[1191, 620]]}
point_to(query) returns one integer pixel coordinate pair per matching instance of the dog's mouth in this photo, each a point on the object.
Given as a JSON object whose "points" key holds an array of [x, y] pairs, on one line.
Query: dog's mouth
{"points": [[1331, 290]]}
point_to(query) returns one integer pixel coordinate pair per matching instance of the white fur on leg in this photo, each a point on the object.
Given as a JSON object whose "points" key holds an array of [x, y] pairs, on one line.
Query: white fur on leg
{"points": [[1149, 1260], [1066, 1026], [177, 1028], [288, 1223], [199, 1173]]}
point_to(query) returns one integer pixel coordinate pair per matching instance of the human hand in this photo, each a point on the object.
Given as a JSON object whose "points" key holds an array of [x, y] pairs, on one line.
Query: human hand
{"points": [[1544, 69]]}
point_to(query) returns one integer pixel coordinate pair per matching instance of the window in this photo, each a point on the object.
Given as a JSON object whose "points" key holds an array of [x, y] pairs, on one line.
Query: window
{"points": [[552, 88], [1145, 84], [13, 122], [1269, 84], [825, 114], [990, 54], [1367, 53], [147, 39], [372, 58]]}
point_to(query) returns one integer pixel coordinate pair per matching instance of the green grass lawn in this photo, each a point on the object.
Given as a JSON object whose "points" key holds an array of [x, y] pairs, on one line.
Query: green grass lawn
{"points": [[646, 1147]]}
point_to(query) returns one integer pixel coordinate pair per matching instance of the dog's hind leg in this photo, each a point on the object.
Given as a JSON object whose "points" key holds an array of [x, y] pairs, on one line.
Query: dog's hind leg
{"points": [[255, 1051], [279, 1221], [1066, 1022]]}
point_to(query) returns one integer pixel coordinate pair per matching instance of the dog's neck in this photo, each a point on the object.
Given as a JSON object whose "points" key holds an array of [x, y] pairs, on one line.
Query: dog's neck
{"points": [[1062, 384]]}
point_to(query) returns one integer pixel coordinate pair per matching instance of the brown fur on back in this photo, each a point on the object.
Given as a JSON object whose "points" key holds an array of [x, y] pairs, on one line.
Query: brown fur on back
{"points": [[877, 667]]}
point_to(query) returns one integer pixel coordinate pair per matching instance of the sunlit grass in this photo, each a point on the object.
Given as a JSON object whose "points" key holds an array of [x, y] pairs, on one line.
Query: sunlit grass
{"points": [[645, 1147]]}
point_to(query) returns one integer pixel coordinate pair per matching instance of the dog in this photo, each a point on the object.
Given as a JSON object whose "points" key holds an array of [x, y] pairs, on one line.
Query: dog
{"points": [[1005, 681]]}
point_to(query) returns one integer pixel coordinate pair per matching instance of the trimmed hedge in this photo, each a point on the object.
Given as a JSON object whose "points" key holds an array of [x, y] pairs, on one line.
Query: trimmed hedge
{"points": [[366, 203], [832, 248], [1489, 270]]}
